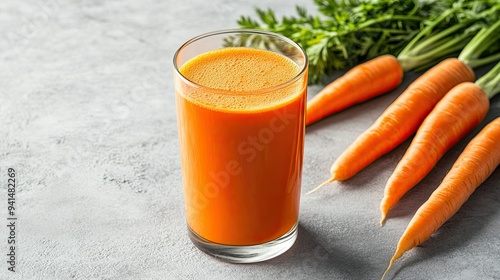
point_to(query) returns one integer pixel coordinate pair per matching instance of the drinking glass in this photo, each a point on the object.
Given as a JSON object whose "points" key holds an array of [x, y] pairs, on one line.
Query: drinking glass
{"points": [[240, 100]]}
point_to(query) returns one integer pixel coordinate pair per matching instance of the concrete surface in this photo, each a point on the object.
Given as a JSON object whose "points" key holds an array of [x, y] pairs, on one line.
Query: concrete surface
{"points": [[87, 120]]}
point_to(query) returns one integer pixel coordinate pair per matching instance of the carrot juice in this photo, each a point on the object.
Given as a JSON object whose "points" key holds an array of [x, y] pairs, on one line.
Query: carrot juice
{"points": [[241, 133]]}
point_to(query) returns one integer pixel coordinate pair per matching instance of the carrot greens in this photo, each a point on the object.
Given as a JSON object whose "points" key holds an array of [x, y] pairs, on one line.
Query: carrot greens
{"points": [[450, 33], [344, 33]]}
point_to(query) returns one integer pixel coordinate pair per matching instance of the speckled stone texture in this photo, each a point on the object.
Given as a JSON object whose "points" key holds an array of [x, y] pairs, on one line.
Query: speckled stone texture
{"points": [[87, 119]]}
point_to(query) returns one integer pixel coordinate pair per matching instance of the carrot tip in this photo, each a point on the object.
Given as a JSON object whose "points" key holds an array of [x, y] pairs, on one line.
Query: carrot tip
{"points": [[388, 268], [320, 186], [382, 220], [383, 275]]}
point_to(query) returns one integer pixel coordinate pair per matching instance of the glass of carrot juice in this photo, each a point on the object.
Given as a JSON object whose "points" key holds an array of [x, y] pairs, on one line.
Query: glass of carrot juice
{"points": [[240, 99]]}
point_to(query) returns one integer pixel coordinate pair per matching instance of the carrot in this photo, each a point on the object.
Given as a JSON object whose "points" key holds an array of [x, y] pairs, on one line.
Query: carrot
{"points": [[401, 119], [460, 111], [474, 165], [363, 82]]}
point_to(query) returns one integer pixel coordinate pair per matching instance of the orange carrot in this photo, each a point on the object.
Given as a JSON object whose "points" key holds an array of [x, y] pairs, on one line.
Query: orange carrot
{"points": [[474, 165], [460, 111], [364, 81], [401, 119]]}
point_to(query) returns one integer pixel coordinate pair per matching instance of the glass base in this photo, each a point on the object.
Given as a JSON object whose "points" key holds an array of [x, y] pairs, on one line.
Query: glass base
{"points": [[246, 254]]}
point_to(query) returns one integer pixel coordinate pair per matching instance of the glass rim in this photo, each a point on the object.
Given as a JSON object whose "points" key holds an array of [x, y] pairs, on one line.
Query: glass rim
{"points": [[289, 82]]}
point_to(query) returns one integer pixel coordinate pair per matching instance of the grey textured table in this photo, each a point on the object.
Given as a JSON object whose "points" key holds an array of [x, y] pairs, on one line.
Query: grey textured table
{"points": [[87, 119]]}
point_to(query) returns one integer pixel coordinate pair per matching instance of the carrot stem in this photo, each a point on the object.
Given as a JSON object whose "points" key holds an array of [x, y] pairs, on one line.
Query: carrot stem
{"points": [[426, 31], [481, 43], [430, 43], [490, 82], [387, 18], [477, 62], [449, 46]]}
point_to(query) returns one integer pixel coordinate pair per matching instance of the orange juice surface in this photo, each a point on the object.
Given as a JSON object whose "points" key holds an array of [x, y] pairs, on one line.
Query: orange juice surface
{"points": [[241, 144]]}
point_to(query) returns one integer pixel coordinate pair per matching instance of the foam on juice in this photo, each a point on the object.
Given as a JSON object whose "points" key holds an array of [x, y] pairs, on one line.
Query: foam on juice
{"points": [[238, 79]]}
